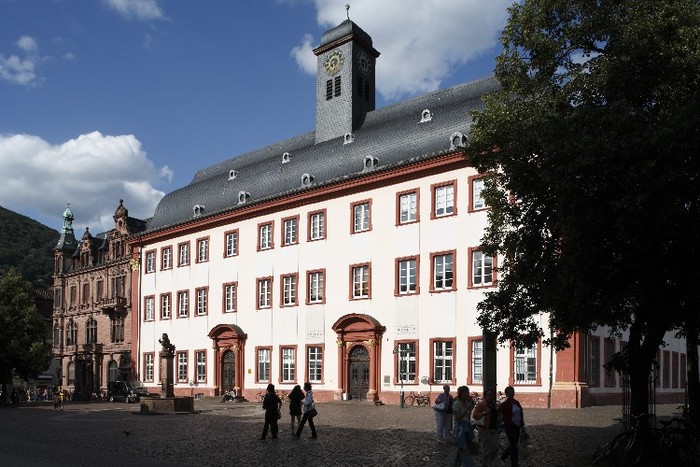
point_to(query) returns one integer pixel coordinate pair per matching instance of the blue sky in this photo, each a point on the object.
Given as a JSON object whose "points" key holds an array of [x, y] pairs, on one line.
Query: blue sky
{"points": [[109, 99]]}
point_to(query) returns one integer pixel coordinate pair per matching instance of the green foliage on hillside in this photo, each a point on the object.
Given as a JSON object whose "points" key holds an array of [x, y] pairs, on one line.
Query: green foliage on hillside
{"points": [[27, 246]]}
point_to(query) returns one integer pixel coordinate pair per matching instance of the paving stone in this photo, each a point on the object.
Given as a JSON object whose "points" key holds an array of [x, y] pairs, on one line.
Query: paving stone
{"points": [[350, 433]]}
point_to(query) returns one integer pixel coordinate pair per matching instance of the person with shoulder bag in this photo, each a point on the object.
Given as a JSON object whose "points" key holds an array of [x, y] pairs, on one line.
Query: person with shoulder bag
{"points": [[309, 412], [513, 421], [486, 413], [272, 405], [464, 432], [443, 414]]}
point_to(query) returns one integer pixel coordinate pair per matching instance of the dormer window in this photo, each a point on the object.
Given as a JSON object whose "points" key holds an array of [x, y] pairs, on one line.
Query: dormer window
{"points": [[232, 174], [348, 138], [458, 140], [243, 197], [370, 162], [306, 180], [198, 210], [426, 116], [286, 157]]}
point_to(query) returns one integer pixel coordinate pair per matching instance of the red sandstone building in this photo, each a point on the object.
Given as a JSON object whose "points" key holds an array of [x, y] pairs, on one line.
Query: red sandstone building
{"points": [[92, 308]]}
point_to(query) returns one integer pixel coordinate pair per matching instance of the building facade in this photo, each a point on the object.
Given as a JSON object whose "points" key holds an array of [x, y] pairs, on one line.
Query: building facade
{"points": [[92, 310], [347, 257]]}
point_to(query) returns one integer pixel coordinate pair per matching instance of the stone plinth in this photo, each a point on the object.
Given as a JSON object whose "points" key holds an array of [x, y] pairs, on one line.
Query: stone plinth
{"points": [[167, 405]]}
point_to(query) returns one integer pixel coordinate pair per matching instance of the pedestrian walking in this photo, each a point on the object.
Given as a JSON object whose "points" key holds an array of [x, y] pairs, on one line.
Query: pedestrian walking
{"points": [[443, 414], [56, 399], [464, 432], [272, 405], [309, 412], [513, 421], [295, 399], [486, 413]]}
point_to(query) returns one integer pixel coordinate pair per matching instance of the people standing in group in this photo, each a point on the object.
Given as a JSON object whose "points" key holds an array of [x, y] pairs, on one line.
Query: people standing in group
{"points": [[309, 412], [513, 421], [296, 396], [487, 412], [443, 414], [272, 405], [464, 432]]}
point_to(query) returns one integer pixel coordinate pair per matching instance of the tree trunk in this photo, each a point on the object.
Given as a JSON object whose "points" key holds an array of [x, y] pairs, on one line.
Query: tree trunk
{"points": [[641, 352], [693, 373]]}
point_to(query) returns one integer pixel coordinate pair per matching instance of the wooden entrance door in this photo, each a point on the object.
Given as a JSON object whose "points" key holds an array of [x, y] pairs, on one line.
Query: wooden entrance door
{"points": [[228, 371], [359, 372]]}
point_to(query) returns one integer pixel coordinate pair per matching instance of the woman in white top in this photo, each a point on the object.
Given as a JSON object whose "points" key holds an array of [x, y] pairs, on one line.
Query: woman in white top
{"points": [[309, 411]]}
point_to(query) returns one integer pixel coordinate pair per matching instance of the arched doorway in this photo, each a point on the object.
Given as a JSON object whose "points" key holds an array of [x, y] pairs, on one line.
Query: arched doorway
{"points": [[229, 347], [358, 376], [359, 356], [228, 371]]}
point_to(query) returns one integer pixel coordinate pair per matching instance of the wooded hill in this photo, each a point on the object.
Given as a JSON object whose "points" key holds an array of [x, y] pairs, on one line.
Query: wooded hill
{"points": [[26, 245]]}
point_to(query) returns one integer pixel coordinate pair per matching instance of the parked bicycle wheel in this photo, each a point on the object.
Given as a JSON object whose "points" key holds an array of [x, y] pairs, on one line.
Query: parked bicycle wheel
{"points": [[627, 449], [409, 400]]}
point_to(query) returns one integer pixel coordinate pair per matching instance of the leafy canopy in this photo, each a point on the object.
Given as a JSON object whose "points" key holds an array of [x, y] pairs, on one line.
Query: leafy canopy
{"points": [[24, 349], [596, 131]]}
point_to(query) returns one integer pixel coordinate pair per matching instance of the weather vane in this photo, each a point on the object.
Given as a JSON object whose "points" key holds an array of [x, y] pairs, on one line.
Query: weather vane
{"points": [[347, 10]]}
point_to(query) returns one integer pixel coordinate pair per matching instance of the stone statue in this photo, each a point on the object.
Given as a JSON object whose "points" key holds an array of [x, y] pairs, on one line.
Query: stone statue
{"points": [[165, 342]]}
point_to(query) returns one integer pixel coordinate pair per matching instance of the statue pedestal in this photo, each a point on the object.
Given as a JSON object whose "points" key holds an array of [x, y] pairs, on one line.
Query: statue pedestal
{"points": [[167, 405], [166, 362]]}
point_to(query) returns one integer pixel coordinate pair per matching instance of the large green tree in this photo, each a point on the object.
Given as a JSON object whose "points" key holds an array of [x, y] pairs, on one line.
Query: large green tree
{"points": [[596, 133], [24, 349]]}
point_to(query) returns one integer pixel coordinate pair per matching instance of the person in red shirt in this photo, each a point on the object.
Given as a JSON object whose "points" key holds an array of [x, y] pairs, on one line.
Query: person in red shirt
{"points": [[513, 421]]}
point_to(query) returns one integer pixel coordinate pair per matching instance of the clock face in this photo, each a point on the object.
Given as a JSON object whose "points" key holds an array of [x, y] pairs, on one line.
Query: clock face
{"points": [[333, 63], [364, 63]]}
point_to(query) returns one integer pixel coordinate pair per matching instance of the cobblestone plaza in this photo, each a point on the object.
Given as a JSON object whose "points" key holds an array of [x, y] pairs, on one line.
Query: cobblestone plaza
{"points": [[349, 433]]}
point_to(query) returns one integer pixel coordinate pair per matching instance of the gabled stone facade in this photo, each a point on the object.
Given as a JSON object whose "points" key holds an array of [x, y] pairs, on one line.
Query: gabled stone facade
{"points": [[92, 310]]}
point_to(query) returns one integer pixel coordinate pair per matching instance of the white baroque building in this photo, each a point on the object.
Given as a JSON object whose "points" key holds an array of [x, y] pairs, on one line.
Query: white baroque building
{"points": [[347, 257]]}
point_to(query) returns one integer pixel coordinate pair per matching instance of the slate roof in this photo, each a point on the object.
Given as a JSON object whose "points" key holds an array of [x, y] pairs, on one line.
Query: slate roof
{"points": [[344, 29], [392, 135]]}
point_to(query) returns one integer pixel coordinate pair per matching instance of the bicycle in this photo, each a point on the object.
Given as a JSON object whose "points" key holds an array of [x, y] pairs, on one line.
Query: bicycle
{"points": [[260, 396], [420, 398], [631, 445], [606, 450], [680, 439], [283, 395]]}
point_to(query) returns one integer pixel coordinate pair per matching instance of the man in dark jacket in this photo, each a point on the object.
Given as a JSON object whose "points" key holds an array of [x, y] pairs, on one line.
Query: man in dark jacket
{"points": [[272, 405], [513, 420]]}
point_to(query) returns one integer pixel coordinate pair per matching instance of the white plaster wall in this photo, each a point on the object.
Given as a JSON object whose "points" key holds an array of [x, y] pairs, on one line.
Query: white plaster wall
{"points": [[447, 314]]}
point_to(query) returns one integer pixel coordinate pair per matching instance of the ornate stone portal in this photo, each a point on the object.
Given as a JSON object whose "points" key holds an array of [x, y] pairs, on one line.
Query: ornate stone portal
{"points": [[167, 403]]}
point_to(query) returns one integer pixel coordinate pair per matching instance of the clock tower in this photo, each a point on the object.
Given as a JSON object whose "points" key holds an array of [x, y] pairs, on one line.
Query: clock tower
{"points": [[345, 79]]}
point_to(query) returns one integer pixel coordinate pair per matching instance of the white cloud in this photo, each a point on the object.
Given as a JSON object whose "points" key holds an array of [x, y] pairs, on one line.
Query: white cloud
{"points": [[21, 70], [304, 55], [28, 44], [91, 172], [139, 9], [421, 42]]}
